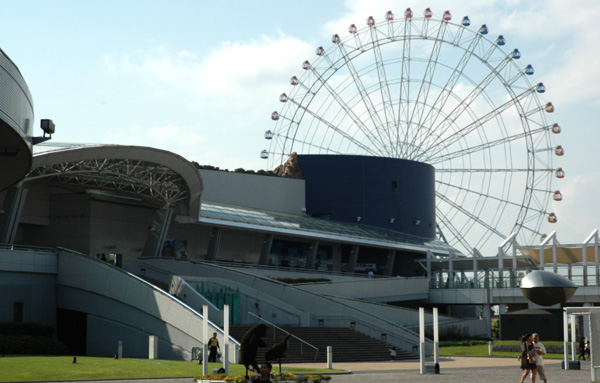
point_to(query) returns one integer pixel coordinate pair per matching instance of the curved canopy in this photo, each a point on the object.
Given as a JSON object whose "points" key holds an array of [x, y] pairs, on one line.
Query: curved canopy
{"points": [[155, 175], [564, 254]]}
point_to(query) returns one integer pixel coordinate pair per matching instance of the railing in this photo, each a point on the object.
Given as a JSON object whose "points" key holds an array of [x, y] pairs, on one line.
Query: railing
{"points": [[325, 273], [509, 278], [260, 319], [27, 248], [375, 331]]}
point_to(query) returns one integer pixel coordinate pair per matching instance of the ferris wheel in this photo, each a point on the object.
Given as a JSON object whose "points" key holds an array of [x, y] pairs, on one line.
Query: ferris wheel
{"points": [[431, 90]]}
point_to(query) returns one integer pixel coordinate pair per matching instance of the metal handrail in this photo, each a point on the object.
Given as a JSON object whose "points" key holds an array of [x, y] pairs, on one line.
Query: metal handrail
{"points": [[260, 319], [287, 269], [6, 246]]}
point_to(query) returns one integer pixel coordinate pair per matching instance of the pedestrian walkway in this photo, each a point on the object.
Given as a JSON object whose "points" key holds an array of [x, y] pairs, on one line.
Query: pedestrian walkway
{"points": [[452, 370], [458, 370]]}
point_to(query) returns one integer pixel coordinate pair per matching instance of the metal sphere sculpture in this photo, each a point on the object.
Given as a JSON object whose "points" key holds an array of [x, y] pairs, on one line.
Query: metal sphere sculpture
{"points": [[546, 289]]}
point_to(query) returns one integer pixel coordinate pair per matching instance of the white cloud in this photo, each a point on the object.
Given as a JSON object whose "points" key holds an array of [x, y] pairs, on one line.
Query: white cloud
{"points": [[577, 213]]}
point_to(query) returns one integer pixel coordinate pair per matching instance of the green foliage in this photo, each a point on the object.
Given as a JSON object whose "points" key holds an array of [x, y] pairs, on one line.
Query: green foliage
{"points": [[451, 333], [496, 329], [31, 345], [29, 339], [462, 342], [20, 328]]}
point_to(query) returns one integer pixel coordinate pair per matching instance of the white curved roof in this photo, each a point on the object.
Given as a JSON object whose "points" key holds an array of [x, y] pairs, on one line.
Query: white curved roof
{"points": [[150, 173]]}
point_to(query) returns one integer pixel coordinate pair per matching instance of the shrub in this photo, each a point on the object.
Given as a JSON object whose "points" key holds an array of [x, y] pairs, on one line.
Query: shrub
{"points": [[29, 338], [31, 345], [20, 328], [462, 342]]}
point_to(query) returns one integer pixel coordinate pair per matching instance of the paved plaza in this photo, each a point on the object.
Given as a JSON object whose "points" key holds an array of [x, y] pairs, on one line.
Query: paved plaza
{"points": [[452, 370]]}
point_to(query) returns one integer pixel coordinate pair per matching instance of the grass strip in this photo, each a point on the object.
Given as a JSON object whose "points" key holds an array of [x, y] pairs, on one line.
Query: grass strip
{"points": [[62, 368]]}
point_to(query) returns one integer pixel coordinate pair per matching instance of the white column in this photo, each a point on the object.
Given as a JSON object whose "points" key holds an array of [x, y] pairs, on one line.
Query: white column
{"points": [[594, 319], [436, 337], [153, 347], [329, 357], [226, 338], [566, 339], [573, 337], [422, 339], [554, 258], [205, 339]]}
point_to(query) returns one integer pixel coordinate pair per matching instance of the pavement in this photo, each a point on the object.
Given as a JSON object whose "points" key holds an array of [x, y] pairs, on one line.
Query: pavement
{"points": [[452, 370]]}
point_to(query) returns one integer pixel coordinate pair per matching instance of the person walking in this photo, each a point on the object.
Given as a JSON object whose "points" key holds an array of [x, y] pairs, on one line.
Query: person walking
{"points": [[527, 358], [393, 353], [581, 348], [213, 345], [540, 351]]}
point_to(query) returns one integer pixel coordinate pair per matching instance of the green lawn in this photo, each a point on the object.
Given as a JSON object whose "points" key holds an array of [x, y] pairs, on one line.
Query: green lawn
{"points": [[62, 368], [48, 368], [482, 350]]}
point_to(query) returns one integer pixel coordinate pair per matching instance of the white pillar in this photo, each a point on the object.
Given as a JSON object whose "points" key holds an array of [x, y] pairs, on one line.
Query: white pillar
{"points": [[422, 340], [226, 338], [153, 347], [566, 339], [329, 357], [594, 320], [120, 349], [436, 337], [573, 336], [205, 338]]}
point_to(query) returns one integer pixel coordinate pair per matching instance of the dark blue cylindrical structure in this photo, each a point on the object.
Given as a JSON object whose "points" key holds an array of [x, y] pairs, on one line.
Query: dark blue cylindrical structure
{"points": [[391, 193]]}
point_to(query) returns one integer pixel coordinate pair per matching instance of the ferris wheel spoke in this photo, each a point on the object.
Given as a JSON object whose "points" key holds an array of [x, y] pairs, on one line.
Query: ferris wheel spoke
{"points": [[480, 194], [427, 81], [364, 95], [446, 223], [446, 91], [368, 149], [404, 91], [470, 216], [488, 170], [448, 141], [384, 87], [374, 139], [486, 146], [448, 122]]}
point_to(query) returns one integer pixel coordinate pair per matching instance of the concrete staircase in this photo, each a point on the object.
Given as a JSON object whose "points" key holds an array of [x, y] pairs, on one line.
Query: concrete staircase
{"points": [[347, 345]]}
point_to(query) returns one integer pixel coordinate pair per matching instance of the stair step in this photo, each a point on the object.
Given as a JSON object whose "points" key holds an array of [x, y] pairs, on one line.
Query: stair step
{"points": [[347, 345]]}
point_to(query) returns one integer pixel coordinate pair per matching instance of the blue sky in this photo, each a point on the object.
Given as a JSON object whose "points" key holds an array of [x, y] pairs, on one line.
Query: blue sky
{"points": [[201, 78]]}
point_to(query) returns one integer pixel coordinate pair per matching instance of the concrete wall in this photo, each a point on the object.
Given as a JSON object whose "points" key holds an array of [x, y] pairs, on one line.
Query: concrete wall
{"points": [[122, 307], [16, 123], [119, 229], [261, 192], [28, 277]]}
